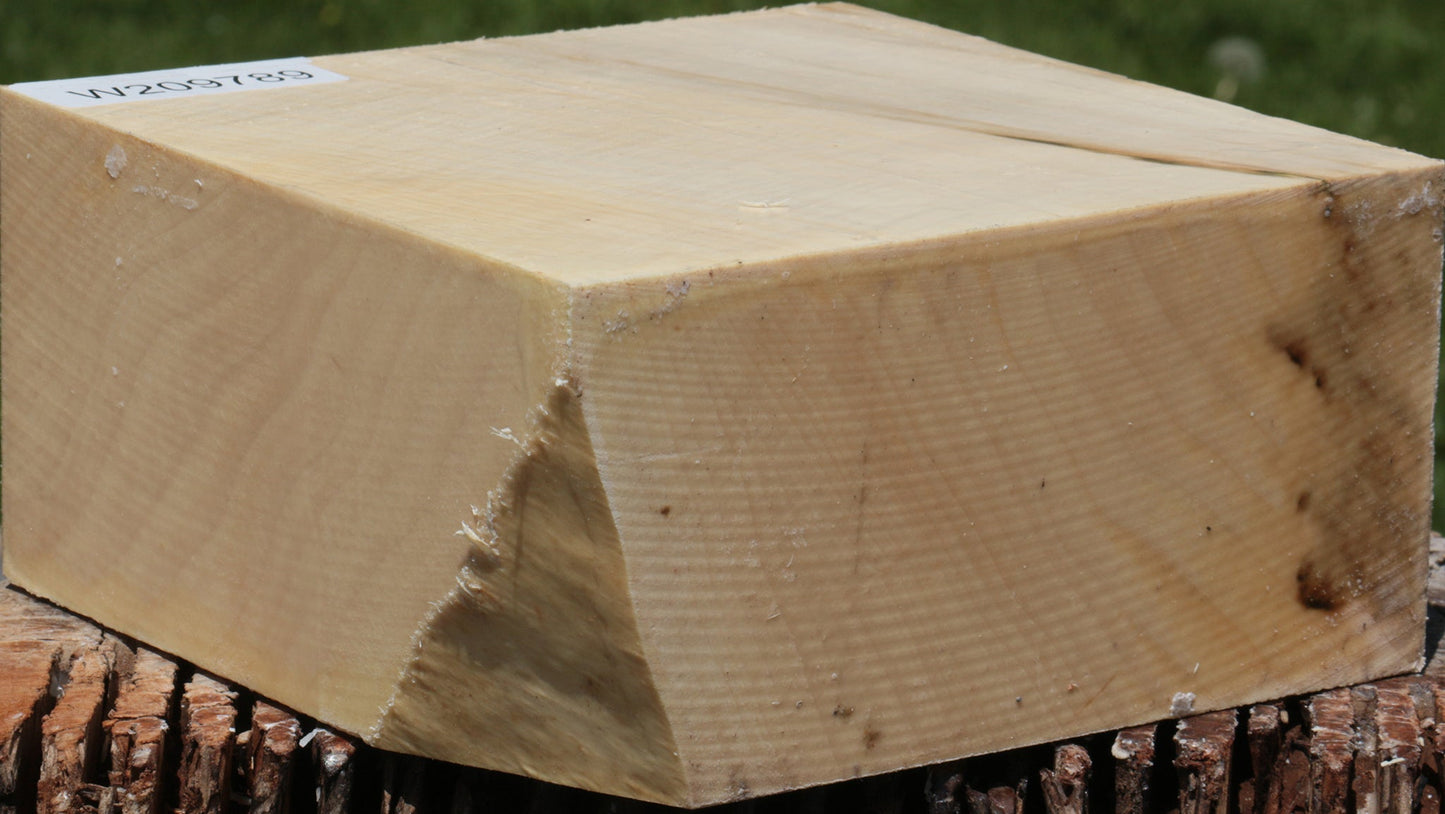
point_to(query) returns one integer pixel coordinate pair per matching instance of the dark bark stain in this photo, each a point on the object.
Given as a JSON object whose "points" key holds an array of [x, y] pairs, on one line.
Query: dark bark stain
{"points": [[1355, 337], [1316, 591]]}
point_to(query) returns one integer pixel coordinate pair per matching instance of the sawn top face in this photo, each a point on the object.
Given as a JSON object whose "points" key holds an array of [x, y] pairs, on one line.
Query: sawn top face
{"points": [[661, 148]]}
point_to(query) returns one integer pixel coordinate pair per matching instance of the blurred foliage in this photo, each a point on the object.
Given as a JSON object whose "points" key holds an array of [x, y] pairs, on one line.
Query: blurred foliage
{"points": [[1374, 70]]}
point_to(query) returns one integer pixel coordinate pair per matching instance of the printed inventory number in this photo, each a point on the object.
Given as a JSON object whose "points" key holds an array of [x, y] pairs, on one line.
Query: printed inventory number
{"points": [[172, 83], [213, 83]]}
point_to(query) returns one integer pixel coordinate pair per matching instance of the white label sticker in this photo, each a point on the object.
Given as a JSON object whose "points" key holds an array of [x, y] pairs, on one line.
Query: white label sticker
{"points": [[170, 84]]}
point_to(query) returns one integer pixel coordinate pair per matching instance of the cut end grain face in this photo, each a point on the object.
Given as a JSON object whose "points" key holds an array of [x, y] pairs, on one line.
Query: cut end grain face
{"points": [[707, 408]]}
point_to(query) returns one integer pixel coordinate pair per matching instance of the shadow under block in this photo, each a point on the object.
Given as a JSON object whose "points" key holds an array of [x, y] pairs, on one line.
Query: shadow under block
{"points": [[700, 409]]}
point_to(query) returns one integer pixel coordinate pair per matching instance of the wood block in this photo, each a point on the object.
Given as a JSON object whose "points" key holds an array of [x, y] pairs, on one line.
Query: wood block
{"points": [[706, 408]]}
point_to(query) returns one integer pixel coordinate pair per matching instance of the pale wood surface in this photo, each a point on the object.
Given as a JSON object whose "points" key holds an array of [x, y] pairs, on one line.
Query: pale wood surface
{"points": [[831, 127], [264, 407], [713, 407]]}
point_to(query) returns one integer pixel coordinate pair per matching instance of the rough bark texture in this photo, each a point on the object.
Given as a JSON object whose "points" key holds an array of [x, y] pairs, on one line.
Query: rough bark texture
{"points": [[70, 736], [137, 726], [333, 757], [1066, 787], [38, 646], [1204, 747], [1332, 749], [1133, 753], [208, 740], [271, 752], [1398, 729], [403, 785], [1264, 733], [1285, 763], [945, 792], [23, 696]]}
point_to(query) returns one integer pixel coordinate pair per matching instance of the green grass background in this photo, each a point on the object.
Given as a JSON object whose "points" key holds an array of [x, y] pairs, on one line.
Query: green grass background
{"points": [[1370, 69]]}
